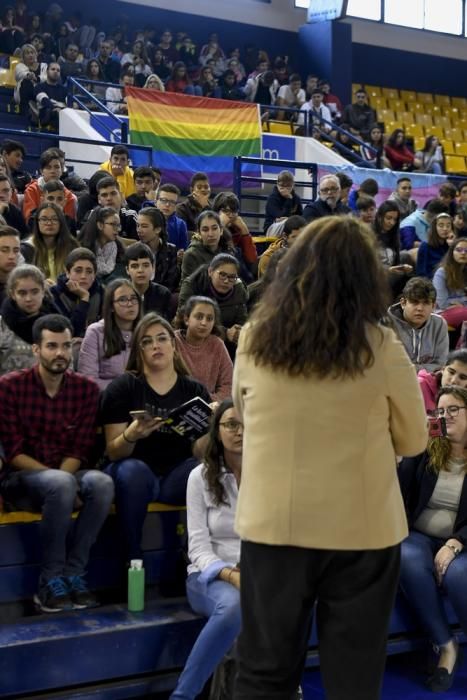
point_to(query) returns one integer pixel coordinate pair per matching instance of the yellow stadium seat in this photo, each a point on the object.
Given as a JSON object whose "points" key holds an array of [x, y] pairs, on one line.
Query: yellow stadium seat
{"points": [[415, 130], [391, 126], [278, 127], [456, 134], [405, 117], [435, 131], [434, 110], [378, 102], [373, 90], [449, 147], [390, 93], [451, 112], [444, 122], [417, 107], [408, 95], [385, 115], [419, 142], [443, 100], [455, 164], [425, 119], [425, 97], [461, 148], [397, 105], [459, 102]]}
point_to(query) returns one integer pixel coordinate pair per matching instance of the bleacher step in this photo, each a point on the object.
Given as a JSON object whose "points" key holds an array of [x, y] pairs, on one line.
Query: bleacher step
{"points": [[65, 649]]}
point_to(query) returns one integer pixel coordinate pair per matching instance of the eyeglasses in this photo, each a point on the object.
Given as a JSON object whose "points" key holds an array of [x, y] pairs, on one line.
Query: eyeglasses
{"points": [[156, 340], [115, 226], [47, 220], [460, 250], [232, 425], [225, 277], [451, 411], [329, 190], [127, 301], [170, 202]]}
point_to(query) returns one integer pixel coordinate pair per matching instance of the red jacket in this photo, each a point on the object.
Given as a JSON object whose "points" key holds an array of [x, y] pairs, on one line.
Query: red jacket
{"points": [[32, 199]]}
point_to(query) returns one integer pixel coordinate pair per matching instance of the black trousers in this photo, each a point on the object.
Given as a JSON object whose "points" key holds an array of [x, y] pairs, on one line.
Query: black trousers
{"points": [[354, 594]]}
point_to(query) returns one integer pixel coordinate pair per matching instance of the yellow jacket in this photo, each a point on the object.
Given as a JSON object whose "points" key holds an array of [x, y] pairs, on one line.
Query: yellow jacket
{"points": [[125, 181]]}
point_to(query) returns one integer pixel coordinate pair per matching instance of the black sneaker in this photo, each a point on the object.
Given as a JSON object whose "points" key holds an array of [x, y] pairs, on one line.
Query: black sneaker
{"points": [[53, 596], [79, 592]]}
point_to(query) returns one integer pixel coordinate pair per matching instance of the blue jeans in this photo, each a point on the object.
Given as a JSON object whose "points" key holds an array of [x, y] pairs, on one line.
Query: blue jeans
{"points": [[417, 580], [53, 493], [220, 602], [136, 486]]}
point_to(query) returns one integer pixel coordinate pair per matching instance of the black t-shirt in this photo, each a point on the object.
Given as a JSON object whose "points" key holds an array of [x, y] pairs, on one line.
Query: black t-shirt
{"points": [[162, 450]]}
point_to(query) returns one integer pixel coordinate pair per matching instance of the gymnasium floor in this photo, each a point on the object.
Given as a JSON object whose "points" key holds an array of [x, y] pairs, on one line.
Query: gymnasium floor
{"points": [[403, 680]]}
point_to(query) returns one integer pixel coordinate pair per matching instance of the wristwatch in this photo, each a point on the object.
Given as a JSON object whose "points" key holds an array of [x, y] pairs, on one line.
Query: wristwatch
{"points": [[454, 549]]}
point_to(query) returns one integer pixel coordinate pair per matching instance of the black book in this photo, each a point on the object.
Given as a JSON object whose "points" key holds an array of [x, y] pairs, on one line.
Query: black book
{"points": [[191, 419]]}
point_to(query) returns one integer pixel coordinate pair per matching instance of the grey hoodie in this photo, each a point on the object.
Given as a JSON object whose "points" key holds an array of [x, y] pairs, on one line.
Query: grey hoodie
{"points": [[428, 346]]}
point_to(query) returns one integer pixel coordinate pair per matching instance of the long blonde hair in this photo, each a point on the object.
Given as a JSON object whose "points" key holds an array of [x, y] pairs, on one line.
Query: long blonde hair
{"points": [[439, 448]]}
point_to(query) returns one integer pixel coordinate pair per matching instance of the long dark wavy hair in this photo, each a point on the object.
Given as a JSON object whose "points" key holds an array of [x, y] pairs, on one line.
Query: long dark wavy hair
{"points": [[64, 241], [439, 448], [214, 455], [89, 234], [388, 239], [456, 273], [135, 363], [113, 338], [433, 239], [315, 314]]}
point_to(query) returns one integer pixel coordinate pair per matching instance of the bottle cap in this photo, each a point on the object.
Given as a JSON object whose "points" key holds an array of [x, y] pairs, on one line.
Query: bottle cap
{"points": [[136, 564]]}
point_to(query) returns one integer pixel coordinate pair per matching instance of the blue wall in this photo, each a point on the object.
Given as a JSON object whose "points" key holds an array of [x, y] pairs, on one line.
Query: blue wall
{"points": [[375, 65]]}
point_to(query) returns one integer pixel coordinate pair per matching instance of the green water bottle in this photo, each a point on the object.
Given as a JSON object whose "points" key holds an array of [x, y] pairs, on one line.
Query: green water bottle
{"points": [[136, 586]]}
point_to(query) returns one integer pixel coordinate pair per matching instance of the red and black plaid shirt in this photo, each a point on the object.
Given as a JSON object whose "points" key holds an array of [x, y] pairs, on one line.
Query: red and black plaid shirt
{"points": [[47, 429]]}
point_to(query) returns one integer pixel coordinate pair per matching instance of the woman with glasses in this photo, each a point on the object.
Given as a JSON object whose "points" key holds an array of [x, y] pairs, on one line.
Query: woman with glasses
{"points": [[213, 549], [219, 281], [328, 398], [209, 240], [450, 282], [27, 300], [434, 563], [100, 234], [50, 243], [201, 348], [149, 461], [105, 348]]}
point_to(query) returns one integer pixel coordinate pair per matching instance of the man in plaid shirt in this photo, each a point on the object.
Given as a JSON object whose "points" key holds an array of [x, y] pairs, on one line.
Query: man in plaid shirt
{"points": [[47, 429]]}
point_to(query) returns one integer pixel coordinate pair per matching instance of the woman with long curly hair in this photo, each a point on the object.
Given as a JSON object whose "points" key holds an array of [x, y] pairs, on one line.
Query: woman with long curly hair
{"points": [[328, 398], [434, 563], [51, 241], [213, 549], [450, 281]]}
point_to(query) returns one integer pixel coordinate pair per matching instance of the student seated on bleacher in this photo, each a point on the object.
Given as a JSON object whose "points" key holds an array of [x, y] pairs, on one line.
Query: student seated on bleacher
{"points": [[151, 229], [433, 556], [109, 195], [10, 256], [140, 268], [147, 181], [414, 229], [50, 241], [359, 115], [47, 437], [423, 333], [433, 250], [316, 112], [201, 348], [148, 462], [281, 203], [105, 348], [54, 191], [366, 209], [77, 293], [27, 300], [11, 213], [398, 152], [115, 96], [220, 281], [50, 167], [386, 228], [118, 167], [431, 156], [402, 196], [209, 240], [454, 373], [196, 202], [292, 228], [100, 235], [50, 98], [14, 153], [166, 202], [227, 205], [213, 550]]}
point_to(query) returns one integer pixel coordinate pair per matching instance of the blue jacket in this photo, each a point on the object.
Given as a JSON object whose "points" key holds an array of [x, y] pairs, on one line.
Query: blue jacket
{"points": [[413, 228], [177, 232], [428, 259]]}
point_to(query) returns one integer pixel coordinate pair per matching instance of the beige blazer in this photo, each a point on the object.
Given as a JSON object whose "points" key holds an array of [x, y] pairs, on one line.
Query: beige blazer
{"points": [[319, 456]]}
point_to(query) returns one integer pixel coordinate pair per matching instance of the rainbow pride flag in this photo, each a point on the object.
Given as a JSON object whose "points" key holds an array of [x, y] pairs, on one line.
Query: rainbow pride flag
{"points": [[190, 134]]}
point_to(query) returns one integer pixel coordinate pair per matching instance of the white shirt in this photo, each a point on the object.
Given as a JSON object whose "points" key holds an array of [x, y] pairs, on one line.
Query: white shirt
{"points": [[212, 541], [290, 98], [323, 112]]}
